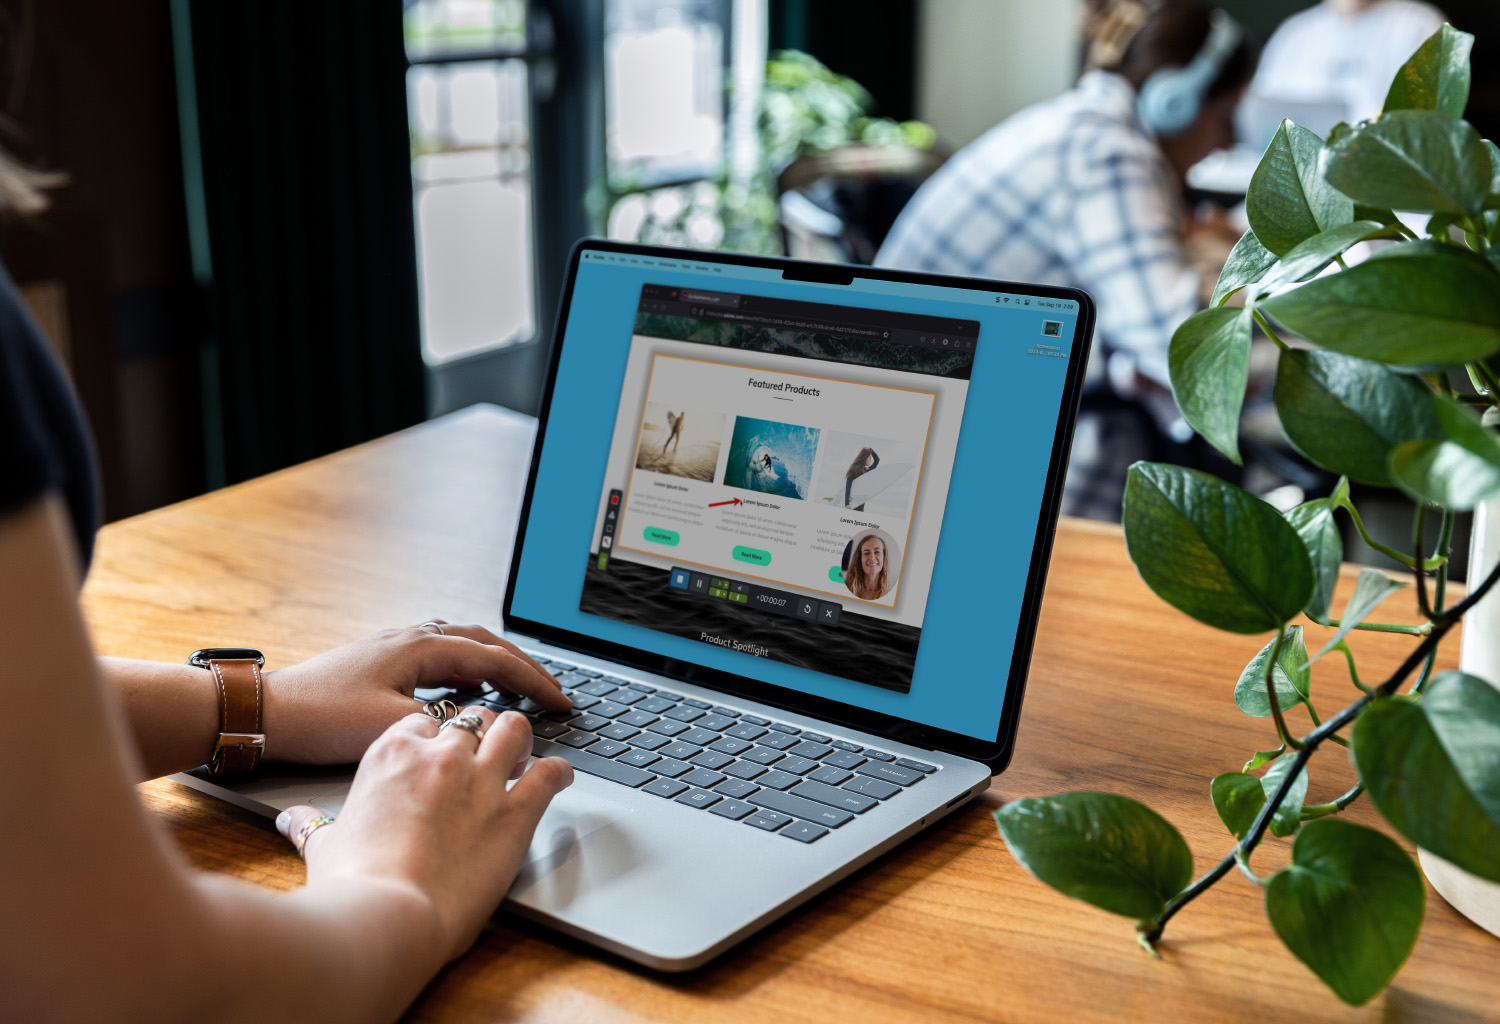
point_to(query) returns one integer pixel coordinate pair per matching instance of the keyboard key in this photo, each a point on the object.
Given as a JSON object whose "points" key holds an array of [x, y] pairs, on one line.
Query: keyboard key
{"points": [[816, 737], [745, 731], [768, 820], [890, 773], [703, 777], [879, 755], [548, 730], [560, 716], [744, 770], [844, 759], [625, 696], [579, 739], [539, 659], [584, 761], [872, 787], [616, 680], [608, 748], [916, 766], [655, 705], [573, 678], [809, 749], [778, 741], [764, 755], [790, 730], [697, 737], [685, 714], [590, 723], [667, 727], [636, 719], [728, 745], [588, 671], [609, 709], [804, 832], [597, 688], [692, 702], [732, 809], [712, 759], [796, 765], [726, 712], [736, 788], [561, 666], [529, 707], [617, 731], [777, 780], [831, 776], [670, 767], [639, 758], [755, 720], [714, 721], [649, 741], [699, 798], [641, 687], [582, 701], [801, 807], [680, 750], [839, 798], [664, 787], [853, 748]]}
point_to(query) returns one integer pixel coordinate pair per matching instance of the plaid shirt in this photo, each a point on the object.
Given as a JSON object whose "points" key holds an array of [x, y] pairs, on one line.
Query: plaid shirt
{"points": [[1070, 192]]}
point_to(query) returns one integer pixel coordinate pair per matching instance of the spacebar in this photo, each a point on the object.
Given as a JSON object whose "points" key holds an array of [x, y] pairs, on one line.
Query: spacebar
{"points": [[592, 763]]}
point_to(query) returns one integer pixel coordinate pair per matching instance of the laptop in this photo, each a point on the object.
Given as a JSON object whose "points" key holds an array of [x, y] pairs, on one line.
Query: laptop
{"points": [[783, 541]]}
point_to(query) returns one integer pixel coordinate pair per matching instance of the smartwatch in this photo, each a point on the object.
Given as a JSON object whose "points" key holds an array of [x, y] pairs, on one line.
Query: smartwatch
{"points": [[242, 737]]}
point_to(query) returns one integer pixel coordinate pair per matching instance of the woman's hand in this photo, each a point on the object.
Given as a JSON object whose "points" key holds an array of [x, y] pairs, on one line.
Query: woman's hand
{"points": [[328, 709], [429, 811]]}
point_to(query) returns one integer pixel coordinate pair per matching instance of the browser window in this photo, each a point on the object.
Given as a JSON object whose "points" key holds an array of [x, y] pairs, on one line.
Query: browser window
{"points": [[777, 476]]}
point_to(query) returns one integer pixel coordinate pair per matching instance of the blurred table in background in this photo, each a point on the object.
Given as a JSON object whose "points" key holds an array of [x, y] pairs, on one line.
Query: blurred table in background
{"points": [[1125, 695]]}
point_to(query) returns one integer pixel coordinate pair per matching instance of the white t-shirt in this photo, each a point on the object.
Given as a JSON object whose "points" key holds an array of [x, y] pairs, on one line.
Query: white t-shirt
{"points": [[1318, 55]]}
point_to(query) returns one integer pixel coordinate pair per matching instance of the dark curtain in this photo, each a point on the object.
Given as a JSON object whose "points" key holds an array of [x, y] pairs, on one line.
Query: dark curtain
{"points": [[300, 207]]}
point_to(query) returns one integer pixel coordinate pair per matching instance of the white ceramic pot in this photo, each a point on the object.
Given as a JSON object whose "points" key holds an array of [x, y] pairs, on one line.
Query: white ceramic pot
{"points": [[1478, 654]]}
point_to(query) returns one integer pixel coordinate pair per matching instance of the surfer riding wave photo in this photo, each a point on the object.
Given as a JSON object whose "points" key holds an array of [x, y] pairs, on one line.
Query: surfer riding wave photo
{"points": [[773, 458]]}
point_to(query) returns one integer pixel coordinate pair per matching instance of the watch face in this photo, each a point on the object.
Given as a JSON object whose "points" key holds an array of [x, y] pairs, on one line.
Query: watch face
{"points": [[203, 657]]}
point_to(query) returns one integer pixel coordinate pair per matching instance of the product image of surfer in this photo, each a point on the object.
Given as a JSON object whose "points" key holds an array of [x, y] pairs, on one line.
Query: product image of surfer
{"points": [[773, 458], [865, 461], [680, 442], [870, 572], [674, 429]]}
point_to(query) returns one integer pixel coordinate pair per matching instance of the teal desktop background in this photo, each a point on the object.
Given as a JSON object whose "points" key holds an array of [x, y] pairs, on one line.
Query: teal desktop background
{"points": [[994, 499]]}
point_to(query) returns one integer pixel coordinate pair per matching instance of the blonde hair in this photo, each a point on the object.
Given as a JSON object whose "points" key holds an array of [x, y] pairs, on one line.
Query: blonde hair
{"points": [[23, 189]]}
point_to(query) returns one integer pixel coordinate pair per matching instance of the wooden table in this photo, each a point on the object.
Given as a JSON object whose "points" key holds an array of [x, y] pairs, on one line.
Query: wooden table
{"points": [[1125, 695]]}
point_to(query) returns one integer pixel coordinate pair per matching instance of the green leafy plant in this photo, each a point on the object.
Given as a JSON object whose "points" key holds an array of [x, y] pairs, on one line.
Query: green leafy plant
{"points": [[1370, 400], [803, 108]]}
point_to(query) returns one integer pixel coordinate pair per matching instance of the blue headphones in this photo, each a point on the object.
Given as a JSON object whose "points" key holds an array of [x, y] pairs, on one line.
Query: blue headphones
{"points": [[1171, 98]]}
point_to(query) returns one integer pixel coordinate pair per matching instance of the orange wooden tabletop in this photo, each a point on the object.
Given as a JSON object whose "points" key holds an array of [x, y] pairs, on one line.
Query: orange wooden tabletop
{"points": [[1125, 695]]}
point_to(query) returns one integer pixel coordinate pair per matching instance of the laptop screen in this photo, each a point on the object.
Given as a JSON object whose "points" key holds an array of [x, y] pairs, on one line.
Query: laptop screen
{"points": [[832, 488]]}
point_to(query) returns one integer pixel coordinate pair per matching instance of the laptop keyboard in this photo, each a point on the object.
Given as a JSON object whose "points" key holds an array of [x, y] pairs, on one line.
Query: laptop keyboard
{"points": [[769, 775]]}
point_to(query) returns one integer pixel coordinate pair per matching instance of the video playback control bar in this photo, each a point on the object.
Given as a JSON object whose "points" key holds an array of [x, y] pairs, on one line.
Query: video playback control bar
{"points": [[757, 597]]}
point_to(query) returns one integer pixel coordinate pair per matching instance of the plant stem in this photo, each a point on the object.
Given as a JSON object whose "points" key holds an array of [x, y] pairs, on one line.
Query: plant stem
{"points": [[1311, 811], [1342, 264], [1310, 743], [1418, 525], [1270, 333], [1389, 552], [1353, 672], [1388, 627], [1281, 730]]}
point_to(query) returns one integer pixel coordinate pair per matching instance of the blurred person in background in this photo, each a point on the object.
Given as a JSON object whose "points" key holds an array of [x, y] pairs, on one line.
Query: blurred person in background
{"points": [[1087, 190]]}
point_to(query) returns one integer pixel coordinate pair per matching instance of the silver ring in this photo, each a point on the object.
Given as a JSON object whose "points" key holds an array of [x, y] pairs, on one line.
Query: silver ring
{"points": [[470, 723], [433, 627], [439, 710]]}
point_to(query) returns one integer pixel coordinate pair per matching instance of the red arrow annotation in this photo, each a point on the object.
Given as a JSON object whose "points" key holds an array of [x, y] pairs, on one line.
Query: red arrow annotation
{"points": [[716, 504]]}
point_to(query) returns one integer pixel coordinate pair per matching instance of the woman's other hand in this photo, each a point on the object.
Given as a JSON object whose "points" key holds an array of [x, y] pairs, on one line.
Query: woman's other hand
{"points": [[328, 709], [430, 811]]}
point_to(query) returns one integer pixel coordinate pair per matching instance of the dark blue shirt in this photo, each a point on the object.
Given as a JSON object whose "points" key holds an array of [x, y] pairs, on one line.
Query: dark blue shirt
{"points": [[44, 442]]}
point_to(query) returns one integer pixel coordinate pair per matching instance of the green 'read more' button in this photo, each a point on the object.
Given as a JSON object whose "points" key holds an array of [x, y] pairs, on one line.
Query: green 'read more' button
{"points": [[755, 556], [836, 574], [656, 535]]}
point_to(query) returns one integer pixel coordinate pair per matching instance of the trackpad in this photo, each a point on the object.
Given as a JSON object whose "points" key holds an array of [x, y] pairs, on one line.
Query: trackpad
{"points": [[573, 816]]}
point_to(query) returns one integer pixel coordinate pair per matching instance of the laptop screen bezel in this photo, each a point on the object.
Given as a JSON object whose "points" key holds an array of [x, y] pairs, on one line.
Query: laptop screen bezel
{"points": [[993, 753]]}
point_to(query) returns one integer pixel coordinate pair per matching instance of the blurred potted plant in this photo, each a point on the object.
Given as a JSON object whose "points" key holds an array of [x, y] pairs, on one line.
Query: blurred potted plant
{"points": [[804, 110], [1371, 401]]}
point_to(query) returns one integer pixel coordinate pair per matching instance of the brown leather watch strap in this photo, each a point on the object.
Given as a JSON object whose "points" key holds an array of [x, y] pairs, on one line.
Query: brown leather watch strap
{"points": [[241, 734]]}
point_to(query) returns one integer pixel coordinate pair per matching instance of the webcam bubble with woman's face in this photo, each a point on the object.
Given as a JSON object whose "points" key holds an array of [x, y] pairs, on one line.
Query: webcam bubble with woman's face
{"points": [[872, 563]]}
